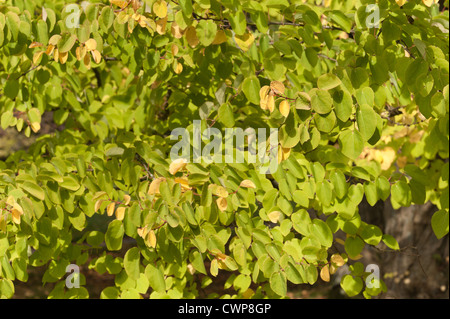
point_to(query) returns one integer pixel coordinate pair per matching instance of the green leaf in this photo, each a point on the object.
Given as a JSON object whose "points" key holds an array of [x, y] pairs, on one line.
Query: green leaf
{"points": [[339, 183], [328, 81], [290, 133], [206, 31], [11, 88], [352, 285], [278, 283], [390, 241], [156, 278], [186, 6], [320, 230], [354, 246], [70, 183], [366, 120], [131, 263], [439, 223], [340, 19], [251, 88], [196, 259], [33, 189], [6, 288], [114, 235], [401, 194], [7, 119], [238, 22], [66, 42], [324, 192], [321, 101], [351, 143]]}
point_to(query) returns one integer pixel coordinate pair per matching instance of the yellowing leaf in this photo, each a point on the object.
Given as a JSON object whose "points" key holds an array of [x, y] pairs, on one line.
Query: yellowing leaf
{"points": [[270, 103], [35, 126], [126, 199], [222, 203], [246, 183], [87, 61], [177, 165], [16, 212], [400, 2], [35, 45], [176, 31], [161, 25], [325, 273], [151, 239], [120, 3], [178, 68], [154, 185], [218, 190], [91, 44], [191, 36], [97, 56], [285, 108], [245, 41], [56, 55], [263, 102], [264, 92], [429, 3], [274, 217], [183, 182], [337, 260], [120, 213], [63, 56], [277, 87], [50, 49], [10, 200], [220, 37], [174, 49], [160, 9], [37, 57], [110, 208], [98, 204], [340, 241], [54, 40], [357, 257], [142, 232]]}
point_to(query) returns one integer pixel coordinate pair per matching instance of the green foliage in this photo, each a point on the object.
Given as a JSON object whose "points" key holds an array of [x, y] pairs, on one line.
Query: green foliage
{"points": [[366, 116]]}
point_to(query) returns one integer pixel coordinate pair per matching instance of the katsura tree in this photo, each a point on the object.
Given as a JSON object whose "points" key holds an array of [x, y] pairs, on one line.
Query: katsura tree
{"points": [[357, 92]]}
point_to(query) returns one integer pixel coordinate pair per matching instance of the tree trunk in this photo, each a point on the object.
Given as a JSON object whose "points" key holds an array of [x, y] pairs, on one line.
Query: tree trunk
{"points": [[421, 268]]}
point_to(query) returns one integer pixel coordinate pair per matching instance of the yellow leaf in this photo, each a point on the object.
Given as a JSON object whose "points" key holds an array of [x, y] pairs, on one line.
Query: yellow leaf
{"points": [[16, 212], [54, 39], [63, 56], [178, 68], [285, 108], [56, 55], [337, 260], [245, 41], [340, 241], [97, 56], [388, 155], [177, 165], [429, 3], [151, 239], [91, 44], [248, 293], [87, 61], [285, 153], [274, 217], [37, 57], [333, 269], [161, 25], [50, 49], [325, 273], [120, 3], [35, 126], [220, 37], [176, 31], [126, 199], [270, 103], [400, 2], [10, 200], [160, 9], [98, 204], [142, 232], [191, 36], [277, 87], [183, 182], [218, 190], [222, 203], [263, 102], [174, 49], [264, 92], [110, 208], [120, 213], [35, 45], [246, 183], [154, 185]]}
